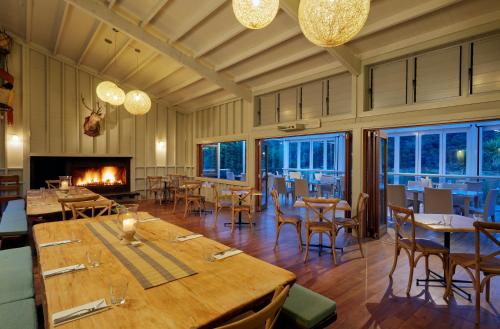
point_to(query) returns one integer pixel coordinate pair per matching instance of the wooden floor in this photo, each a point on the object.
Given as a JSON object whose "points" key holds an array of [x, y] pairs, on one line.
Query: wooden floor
{"points": [[365, 296]]}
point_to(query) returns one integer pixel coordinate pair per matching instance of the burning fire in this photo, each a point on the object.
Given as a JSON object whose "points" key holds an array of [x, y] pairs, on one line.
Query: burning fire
{"points": [[101, 176]]}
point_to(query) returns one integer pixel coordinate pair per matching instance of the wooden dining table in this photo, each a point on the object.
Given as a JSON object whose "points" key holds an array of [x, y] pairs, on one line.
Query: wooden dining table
{"points": [[209, 297], [45, 202]]}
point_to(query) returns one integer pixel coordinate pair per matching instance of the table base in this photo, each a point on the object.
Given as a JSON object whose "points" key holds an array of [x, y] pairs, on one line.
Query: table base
{"points": [[442, 281]]}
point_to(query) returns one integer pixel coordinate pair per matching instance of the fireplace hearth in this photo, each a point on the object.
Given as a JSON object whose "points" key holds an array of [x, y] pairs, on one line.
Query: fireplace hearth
{"points": [[103, 175]]}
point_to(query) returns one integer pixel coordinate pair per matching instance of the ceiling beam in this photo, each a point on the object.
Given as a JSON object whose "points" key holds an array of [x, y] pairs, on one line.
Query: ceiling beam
{"points": [[270, 42], [221, 39], [342, 53], [196, 18], [180, 86], [116, 55], [153, 12], [163, 76], [387, 20], [197, 94], [61, 28], [144, 63], [29, 20], [101, 12], [91, 37]]}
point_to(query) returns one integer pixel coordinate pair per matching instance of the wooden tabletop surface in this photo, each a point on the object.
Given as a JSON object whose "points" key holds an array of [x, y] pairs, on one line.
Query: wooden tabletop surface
{"points": [[38, 205], [217, 292], [435, 222]]}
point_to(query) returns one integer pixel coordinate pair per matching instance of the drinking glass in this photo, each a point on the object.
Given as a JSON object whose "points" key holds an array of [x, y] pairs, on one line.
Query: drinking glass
{"points": [[447, 220], [94, 257], [118, 290], [42, 192]]}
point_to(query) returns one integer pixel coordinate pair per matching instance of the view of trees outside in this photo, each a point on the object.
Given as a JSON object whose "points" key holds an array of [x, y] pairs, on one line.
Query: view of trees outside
{"points": [[390, 154], [491, 152], [275, 155], [304, 154], [456, 148], [232, 159], [407, 154], [318, 155], [292, 154], [209, 160], [429, 150]]}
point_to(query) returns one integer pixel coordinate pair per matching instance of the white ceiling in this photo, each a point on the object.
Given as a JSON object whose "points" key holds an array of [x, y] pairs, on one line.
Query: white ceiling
{"points": [[214, 57]]}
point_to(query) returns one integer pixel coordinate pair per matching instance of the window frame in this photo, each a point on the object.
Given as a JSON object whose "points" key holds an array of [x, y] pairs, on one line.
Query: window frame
{"points": [[218, 159]]}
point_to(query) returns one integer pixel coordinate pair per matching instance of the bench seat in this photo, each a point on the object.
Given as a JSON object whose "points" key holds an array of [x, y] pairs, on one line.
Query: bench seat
{"points": [[16, 204], [16, 275], [306, 309], [13, 222], [20, 314]]}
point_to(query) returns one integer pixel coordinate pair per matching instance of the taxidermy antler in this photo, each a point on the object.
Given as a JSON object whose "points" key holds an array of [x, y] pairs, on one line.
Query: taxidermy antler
{"points": [[92, 124]]}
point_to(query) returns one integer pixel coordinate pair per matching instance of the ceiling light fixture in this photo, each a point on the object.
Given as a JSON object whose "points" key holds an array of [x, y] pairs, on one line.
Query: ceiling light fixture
{"points": [[108, 91], [330, 23], [137, 102], [255, 14]]}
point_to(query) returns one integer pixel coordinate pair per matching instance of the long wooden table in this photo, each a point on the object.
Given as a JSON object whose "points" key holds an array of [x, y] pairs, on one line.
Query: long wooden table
{"points": [[219, 290], [47, 204]]}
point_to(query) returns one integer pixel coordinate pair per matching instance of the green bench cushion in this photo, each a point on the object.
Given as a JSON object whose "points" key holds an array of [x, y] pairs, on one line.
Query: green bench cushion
{"points": [[18, 315], [305, 308], [13, 222], [16, 204], [16, 275]]}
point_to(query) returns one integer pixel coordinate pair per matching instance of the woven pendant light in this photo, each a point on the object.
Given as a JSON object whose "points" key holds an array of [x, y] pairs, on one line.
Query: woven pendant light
{"points": [[255, 14]]}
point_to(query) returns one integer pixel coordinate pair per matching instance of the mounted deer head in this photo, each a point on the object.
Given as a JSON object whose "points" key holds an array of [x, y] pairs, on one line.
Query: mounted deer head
{"points": [[92, 124]]}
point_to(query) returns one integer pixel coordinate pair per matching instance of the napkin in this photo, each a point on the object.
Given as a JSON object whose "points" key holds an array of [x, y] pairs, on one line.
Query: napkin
{"points": [[151, 219], [56, 243], [188, 237], [227, 253], [62, 270], [79, 311]]}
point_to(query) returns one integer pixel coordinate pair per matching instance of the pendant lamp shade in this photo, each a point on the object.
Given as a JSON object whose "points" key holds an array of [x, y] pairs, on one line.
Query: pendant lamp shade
{"points": [[255, 14], [137, 102], [330, 23]]}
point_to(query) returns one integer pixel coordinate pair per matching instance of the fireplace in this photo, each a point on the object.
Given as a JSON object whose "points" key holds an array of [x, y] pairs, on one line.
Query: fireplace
{"points": [[103, 175]]}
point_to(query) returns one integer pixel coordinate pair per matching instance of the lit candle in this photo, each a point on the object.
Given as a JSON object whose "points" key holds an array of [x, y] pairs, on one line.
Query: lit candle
{"points": [[128, 225], [64, 185]]}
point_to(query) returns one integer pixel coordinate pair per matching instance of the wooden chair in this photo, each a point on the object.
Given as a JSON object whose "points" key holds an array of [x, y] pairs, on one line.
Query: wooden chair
{"points": [[52, 184], [396, 195], [155, 186], [10, 189], [66, 203], [266, 317], [220, 202], [438, 201], [477, 263], [488, 210], [406, 240], [96, 208], [280, 186], [326, 185], [320, 218], [300, 188], [282, 219], [179, 193], [241, 202], [355, 221], [192, 197]]}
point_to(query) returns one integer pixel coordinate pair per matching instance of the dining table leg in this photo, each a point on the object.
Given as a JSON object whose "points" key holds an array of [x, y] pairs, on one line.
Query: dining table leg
{"points": [[466, 206], [416, 207]]}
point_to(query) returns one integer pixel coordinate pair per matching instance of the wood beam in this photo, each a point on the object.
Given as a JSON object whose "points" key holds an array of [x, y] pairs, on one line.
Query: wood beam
{"points": [[196, 19], [29, 20], [144, 63], [223, 38], [61, 28], [342, 53], [92, 36], [116, 55], [101, 12], [153, 12], [197, 94], [180, 86], [163, 77]]}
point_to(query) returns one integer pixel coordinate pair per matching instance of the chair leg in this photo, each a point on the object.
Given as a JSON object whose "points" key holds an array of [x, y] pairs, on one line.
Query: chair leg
{"points": [[308, 238], [410, 276], [396, 256], [299, 234], [186, 206], [449, 276], [232, 220], [359, 241], [427, 273], [488, 289], [477, 285], [175, 204], [216, 216], [332, 240], [278, 229]]}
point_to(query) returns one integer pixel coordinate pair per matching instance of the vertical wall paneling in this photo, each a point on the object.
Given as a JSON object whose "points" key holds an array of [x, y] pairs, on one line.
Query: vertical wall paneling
{"points": [[37, 101]]}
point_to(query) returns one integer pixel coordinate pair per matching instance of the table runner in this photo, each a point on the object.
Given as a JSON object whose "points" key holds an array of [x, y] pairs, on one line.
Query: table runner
{"points": [[148, 263]]}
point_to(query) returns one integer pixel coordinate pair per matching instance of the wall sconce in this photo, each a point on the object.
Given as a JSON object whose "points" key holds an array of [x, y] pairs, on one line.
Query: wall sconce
{"points": [[15, 140], [161, 146]]}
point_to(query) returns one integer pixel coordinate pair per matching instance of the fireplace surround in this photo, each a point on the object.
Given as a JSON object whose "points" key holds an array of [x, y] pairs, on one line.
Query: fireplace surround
{"points": [[103, 175]]}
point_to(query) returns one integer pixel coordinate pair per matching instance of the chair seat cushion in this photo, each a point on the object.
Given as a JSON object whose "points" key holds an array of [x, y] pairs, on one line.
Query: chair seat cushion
{"points": [[490, 265], [425, 245], [19, 314], [16, 275], [13, 222], [305, 308], [16, 204]]}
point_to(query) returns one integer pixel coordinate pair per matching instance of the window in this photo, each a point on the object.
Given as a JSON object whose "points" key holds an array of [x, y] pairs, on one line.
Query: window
{"points": [[429, 150], [456, 145], [390, 154], [292, 155], [275, 152], [490, 152], [407, 154], [304, 154], [330, 155], [317, 155], [224, 160]]}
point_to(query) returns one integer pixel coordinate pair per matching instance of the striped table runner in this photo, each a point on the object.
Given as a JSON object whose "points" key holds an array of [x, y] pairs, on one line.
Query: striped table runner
{"points": [[151, 265]]}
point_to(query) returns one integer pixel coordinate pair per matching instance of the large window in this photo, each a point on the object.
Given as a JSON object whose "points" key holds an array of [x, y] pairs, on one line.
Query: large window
{"points": [[318, 155], [407, 154], [292, 155], [490, 152], [305, 152], [456, 149], [390, 154], [224, 160], [429, 150], [275, 151]]}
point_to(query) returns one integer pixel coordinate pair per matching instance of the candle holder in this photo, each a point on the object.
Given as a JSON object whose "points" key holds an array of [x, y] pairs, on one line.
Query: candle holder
{"points": [[127, 221], [64, 183]]}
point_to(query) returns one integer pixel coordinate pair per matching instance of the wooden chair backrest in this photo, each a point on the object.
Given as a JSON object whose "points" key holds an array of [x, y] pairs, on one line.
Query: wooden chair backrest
{"points": [[280, 185], [97, 208], [52, 183], [361, 207], [319, 209], [276, 201], [193, 188], [490, 230], [490, 204], [66, 202], [301, 187], [396, 195], [10, 183], [240, 194], [402, 216], [154, 182], [438, 201], [266, 317]]}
